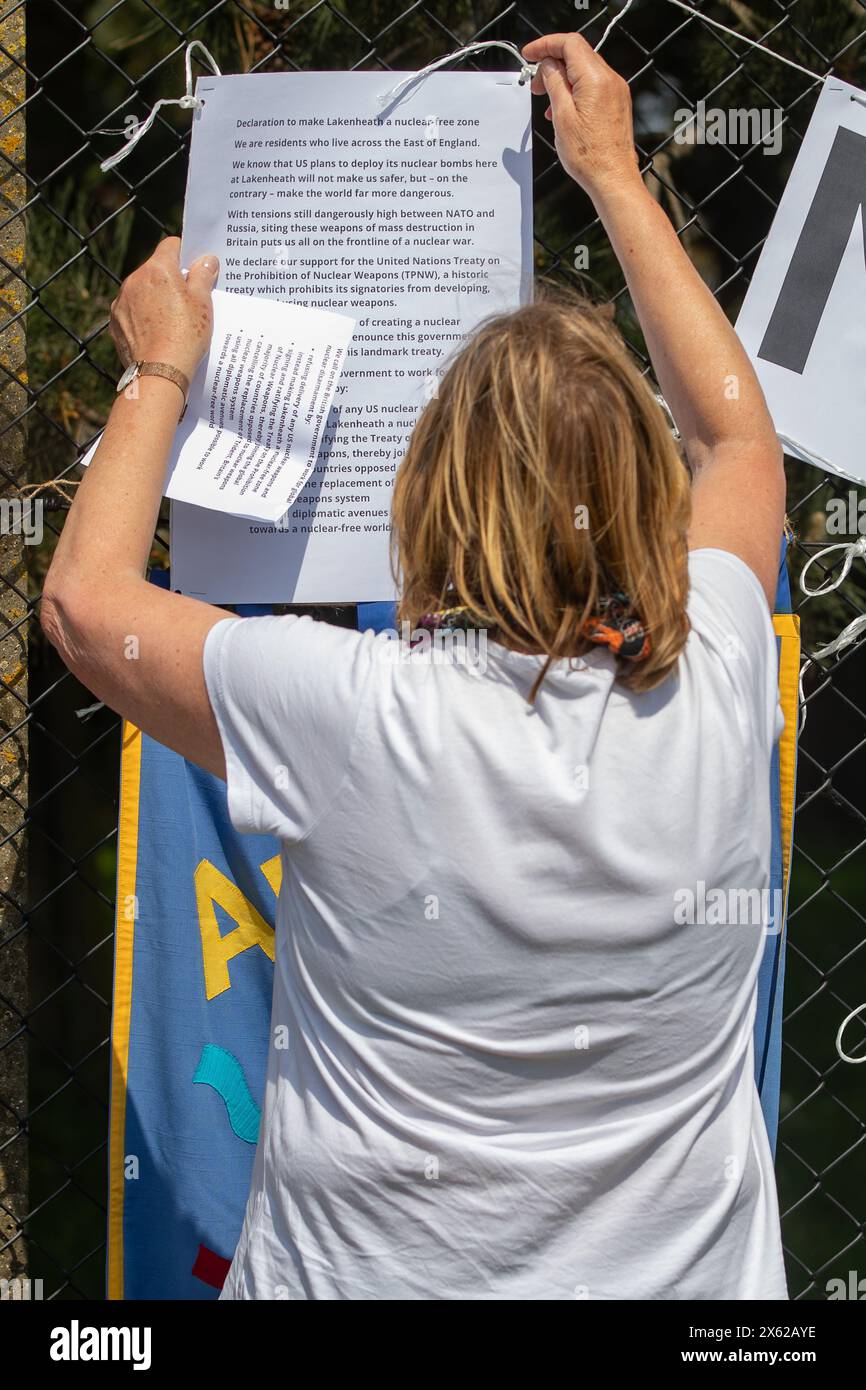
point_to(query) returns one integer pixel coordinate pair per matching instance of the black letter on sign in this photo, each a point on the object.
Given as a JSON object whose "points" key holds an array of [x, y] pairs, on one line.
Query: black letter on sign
{"points": [[839, 197]]}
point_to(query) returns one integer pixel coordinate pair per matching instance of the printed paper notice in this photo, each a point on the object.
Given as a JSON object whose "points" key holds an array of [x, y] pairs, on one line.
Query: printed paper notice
{"points": [[413, 217], [257, 407]]}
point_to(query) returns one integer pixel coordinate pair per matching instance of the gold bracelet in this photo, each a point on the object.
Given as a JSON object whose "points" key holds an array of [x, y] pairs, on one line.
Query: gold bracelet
{"points": [[165, 369]]}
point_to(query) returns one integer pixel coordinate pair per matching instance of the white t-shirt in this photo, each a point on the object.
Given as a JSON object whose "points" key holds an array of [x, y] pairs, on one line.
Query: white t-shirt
{"points": [[512, 1071]]}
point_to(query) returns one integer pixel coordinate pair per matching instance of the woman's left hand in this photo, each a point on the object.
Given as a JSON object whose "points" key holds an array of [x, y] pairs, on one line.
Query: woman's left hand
{"points": [[160, 316]]}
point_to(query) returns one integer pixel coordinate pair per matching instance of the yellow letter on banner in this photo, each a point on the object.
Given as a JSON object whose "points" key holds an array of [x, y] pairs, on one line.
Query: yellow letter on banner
{"points": [[212, 886], [273, 872]]}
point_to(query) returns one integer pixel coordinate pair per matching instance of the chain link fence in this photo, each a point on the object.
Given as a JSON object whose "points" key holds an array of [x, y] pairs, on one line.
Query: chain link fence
{"points": [[68, 234]]}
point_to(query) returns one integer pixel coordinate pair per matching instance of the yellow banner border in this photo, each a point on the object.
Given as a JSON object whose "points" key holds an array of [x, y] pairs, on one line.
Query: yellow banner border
{"points": [[124, 943]]}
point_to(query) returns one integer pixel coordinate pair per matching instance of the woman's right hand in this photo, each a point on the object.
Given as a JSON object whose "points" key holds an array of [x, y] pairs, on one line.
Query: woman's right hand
{"points": [[590, 106], [160, 316]]}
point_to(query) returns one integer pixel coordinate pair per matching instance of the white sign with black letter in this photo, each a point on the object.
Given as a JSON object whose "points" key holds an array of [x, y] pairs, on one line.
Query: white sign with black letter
{"points": [[803, 321], [410, 212]]}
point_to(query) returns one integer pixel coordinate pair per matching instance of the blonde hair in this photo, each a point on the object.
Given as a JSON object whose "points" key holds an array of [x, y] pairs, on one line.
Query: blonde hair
{"points": [[543, 413]]}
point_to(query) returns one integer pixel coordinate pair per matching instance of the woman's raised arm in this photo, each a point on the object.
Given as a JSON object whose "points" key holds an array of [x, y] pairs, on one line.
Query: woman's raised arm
{"points": [[137, 647], [738, 494]]}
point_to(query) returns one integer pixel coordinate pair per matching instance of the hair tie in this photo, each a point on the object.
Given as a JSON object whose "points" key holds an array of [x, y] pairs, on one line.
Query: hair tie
{"points": [[615, 624], [618, 626]]}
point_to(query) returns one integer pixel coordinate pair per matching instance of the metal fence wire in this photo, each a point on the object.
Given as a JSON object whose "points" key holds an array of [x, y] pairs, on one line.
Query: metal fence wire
{"points": [[68, 234]]}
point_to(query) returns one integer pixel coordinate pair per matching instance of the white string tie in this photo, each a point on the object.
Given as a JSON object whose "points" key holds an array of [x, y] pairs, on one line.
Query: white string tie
{"points": [[845, 638], [801, 696], [848, 634], [186, 102], [852, 550], [89, 710], [846, 1056], [527, 70], [614, 22]]}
